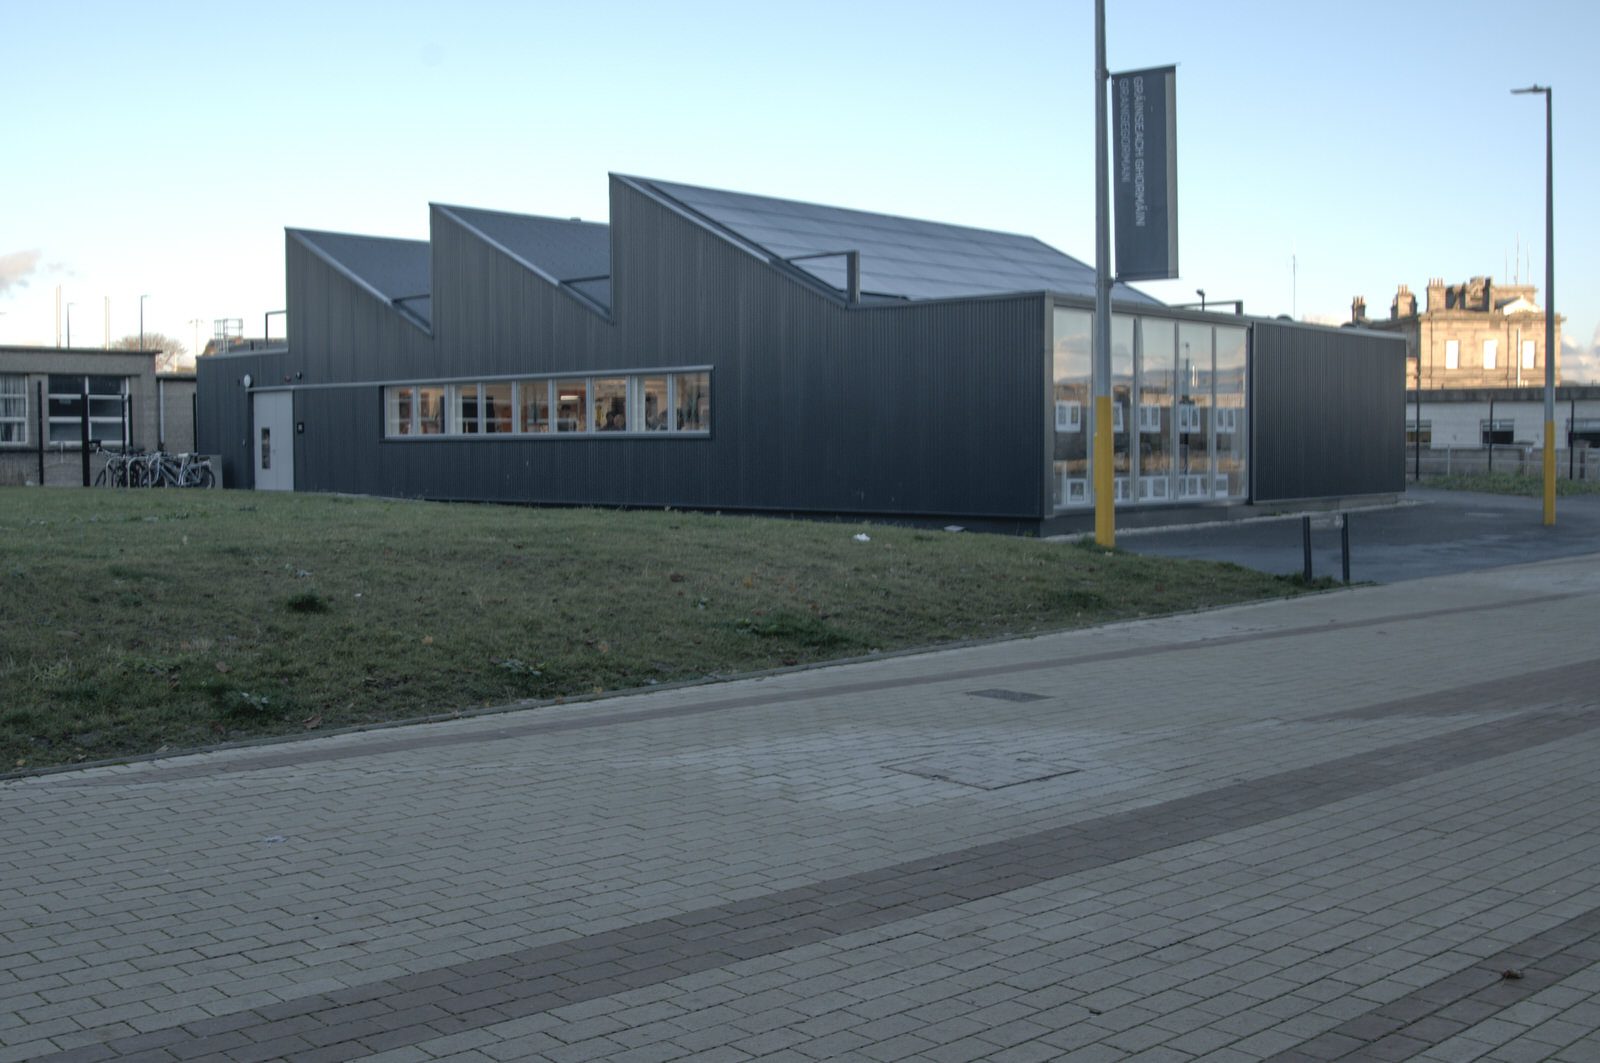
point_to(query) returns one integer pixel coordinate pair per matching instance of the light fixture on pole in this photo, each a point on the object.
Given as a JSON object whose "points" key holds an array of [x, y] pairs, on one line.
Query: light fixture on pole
{"points": [[142, 298], [1201, 292], [1549, 305]]}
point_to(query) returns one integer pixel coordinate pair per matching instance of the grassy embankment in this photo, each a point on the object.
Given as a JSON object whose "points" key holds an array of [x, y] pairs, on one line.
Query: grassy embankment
{"points": [[133, 621]]}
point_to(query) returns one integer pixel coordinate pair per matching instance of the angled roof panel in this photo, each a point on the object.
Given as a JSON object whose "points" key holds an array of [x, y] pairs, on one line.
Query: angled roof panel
{"points": [[396, 268], [566, 250], [901, 257]]}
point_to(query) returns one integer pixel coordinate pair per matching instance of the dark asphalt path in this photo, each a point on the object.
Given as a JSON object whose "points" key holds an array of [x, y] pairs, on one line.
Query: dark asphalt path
{"points": [[1429, 533]]}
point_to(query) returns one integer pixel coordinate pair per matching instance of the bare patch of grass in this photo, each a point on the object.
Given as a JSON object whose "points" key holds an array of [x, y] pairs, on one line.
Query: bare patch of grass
{"points": [[136, 621]]}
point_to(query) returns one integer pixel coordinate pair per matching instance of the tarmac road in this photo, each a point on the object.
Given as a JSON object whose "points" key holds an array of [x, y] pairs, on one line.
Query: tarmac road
{"points": [[1429, 533]]}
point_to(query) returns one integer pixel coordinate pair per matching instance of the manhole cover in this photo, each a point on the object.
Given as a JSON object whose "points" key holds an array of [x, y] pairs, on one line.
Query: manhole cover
{"points": [[984, 769], [1008, 695]]}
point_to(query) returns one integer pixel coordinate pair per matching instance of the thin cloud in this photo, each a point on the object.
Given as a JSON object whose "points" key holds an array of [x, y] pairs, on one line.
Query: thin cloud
{"points": [[16, 268], [1580, 363]]}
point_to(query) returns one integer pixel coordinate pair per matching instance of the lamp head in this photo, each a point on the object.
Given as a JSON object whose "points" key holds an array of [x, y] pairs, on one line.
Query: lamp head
{"points": [[1545, 89]]}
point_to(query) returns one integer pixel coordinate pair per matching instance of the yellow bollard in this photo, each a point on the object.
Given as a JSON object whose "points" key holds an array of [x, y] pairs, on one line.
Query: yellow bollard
{"points": [[1105, 504]]}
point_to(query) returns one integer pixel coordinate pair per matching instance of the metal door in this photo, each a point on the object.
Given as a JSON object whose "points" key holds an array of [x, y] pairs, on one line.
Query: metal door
{"points": [[273, 445]]}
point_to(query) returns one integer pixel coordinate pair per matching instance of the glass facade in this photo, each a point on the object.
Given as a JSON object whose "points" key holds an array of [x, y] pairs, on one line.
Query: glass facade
{"points": [[1180, 428]]}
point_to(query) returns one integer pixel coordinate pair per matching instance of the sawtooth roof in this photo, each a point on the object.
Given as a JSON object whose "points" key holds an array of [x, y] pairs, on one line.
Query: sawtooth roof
{"points": [[901, 258], [400, 270]]}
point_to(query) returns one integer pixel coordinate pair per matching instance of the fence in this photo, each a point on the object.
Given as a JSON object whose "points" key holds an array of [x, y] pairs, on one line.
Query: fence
{"points": [[1577, 463]]}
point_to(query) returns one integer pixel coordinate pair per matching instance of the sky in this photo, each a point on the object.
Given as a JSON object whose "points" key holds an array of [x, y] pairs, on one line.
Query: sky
{"points": [[1324, 151]]}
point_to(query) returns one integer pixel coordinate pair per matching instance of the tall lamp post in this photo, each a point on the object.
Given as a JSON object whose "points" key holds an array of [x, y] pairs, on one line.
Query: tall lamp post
{"points": [[1105, 533], [1549, 305], [142, 298], [69, 325]]}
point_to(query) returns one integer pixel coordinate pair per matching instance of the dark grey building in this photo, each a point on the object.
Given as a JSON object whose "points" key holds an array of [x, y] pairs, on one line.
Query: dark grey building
{"points": [[712, 349]]}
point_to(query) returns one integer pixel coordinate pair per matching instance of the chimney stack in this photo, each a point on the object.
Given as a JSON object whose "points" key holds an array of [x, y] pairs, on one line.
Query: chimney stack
{"points": [[1358, 311], [1404, 305]]}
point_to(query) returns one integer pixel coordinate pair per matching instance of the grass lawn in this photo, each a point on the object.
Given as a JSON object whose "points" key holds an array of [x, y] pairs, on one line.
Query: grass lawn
{"points": [[136, 621], [1507, 483]]}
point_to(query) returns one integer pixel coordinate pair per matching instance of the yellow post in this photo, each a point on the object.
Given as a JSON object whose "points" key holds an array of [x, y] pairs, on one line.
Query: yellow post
{"points": [[1549, 473], [1105, 533]]}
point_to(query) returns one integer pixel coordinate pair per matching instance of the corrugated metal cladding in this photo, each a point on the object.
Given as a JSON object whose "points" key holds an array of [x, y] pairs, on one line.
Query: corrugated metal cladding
{"points": [[921, 409], [222, 408], [1329, 412]]}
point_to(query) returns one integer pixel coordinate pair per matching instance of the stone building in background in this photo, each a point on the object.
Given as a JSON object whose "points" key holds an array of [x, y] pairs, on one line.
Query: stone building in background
{"points": [[1477, 334]]}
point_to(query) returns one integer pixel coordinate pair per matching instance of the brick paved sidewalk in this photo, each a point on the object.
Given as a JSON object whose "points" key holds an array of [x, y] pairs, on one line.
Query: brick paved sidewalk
{"points": [[1315, 829]]}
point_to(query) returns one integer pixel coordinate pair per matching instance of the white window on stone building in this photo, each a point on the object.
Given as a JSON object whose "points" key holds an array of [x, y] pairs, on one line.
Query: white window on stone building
{"points": [[1491, 353], [1527, 354], [1452, 354]]}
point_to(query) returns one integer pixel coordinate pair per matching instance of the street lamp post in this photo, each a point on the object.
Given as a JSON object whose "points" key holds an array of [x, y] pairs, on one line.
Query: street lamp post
{"points": [[142, 298], [1100, 463], [1549, 305], [69, 325]]}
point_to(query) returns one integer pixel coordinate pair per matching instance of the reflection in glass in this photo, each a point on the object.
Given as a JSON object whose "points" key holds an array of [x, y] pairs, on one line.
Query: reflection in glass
{"points": [[1071, 362], [1194, 406], [692, 396], [430, 411], [1121, 394], [534, 403], [653, 412], [1231, 429], [572, 405], [611, 404], [496, 399], [1155, 410], [399, 411], [467, 409]]}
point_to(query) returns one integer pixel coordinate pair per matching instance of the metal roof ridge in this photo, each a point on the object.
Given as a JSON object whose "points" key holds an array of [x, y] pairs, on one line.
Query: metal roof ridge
{"points": [[300, 231], [453, 207], [656, 182], [538, 271], [406, 313]]}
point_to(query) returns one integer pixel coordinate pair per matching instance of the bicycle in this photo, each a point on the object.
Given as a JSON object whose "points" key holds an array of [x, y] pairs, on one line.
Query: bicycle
{"points": [[184, 470], [121, 468]]}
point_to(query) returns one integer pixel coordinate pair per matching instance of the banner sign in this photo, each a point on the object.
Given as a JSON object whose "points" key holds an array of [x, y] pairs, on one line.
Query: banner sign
{"points": [[1145, 173]]}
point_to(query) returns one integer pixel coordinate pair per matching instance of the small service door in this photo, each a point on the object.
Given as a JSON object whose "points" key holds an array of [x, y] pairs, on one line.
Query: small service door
{"points": [[273, 445]]}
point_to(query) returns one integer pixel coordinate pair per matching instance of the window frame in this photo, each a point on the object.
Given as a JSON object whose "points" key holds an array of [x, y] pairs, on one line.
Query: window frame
{"points": [[122, 420], [7, 399]]}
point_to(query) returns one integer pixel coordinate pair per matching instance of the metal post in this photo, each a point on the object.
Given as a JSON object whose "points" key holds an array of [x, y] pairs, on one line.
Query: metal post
{"points": [[1305, 542], [1105, 530], [44, 424], [1344, 545], [1572, 419], [1418, 448], [84, 421], [1491, 433], [1549, 314], [1549, 300]]}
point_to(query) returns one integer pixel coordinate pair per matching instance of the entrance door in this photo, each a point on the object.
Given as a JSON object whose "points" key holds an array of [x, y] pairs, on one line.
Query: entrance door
{"points": [[274, 440]]}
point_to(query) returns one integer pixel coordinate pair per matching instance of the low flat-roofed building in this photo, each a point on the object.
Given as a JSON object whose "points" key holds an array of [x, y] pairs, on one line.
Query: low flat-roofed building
{"points": [[45, 393]]}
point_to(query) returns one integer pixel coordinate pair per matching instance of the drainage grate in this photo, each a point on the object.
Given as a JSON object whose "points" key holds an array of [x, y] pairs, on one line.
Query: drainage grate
{"points": [[1008, 695], [984, 769]]}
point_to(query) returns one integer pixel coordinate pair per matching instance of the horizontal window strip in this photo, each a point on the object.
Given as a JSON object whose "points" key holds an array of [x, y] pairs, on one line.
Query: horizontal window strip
{"points": [[645, 403]]}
